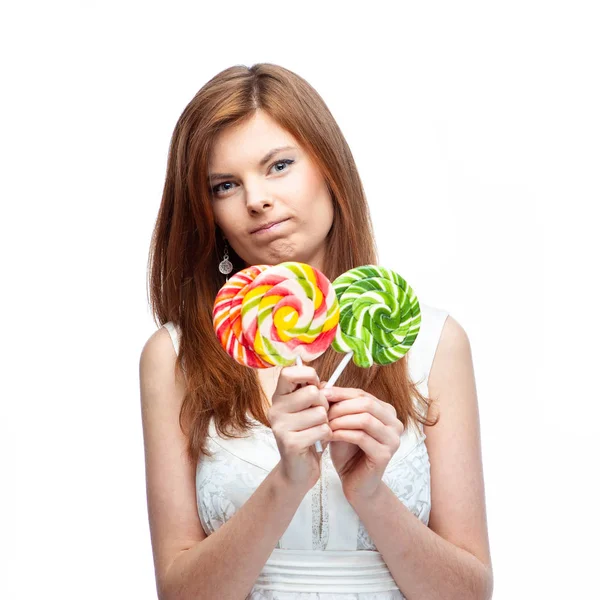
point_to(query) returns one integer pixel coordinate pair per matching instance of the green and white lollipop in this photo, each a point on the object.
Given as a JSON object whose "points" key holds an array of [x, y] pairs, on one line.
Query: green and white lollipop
{"points": [[380, 317]]}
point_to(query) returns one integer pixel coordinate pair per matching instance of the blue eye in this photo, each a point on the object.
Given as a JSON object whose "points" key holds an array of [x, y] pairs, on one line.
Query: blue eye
{"points": [[286, 161], [216, 188]]}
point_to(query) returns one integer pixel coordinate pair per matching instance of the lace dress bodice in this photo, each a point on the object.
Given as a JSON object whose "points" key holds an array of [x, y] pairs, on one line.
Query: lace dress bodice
{"points": [[326, 553]]}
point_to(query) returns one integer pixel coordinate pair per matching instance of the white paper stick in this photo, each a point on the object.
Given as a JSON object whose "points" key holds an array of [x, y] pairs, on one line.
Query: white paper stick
{"points": [[318, 446], [334, 378], [339, 369]]}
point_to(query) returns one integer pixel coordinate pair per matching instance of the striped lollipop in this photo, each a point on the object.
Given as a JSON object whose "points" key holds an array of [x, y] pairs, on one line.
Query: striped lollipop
{"points": [[380, 317], [267, 316], [290, 312], [227, 318]]}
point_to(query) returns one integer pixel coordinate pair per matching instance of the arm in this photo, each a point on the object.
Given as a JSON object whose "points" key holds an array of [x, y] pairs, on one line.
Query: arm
{"points": [[188, 564], [423, 564], [227, 563], [450, 559]]}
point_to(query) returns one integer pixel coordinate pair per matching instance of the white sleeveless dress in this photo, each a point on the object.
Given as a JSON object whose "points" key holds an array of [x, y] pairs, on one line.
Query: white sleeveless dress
{"points": [[326, 552]]}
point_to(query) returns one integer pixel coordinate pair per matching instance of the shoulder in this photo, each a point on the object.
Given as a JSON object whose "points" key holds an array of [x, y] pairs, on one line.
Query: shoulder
{"points": [[157, 361], [452, 366], [453, 338], [158, 347]]}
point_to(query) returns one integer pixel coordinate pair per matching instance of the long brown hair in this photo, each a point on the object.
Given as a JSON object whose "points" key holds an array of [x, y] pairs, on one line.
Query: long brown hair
{"points": [[187, 247]]}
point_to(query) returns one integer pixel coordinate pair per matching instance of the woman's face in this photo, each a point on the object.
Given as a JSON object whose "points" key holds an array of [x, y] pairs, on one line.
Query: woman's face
{"points": [[252, 187]]}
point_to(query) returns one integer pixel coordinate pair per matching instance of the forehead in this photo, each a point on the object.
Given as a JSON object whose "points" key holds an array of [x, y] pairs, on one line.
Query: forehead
{"points": [[248, 141]]}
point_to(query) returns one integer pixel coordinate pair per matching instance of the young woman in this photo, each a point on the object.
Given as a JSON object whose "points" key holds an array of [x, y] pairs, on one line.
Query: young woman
{"points": [[240, 503]]}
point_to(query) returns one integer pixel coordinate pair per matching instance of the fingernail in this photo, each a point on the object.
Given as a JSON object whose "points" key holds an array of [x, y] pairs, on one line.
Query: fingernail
{"points": [[327, 392]]}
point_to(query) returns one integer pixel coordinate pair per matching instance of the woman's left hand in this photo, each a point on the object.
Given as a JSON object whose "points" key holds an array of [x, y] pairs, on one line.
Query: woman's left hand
{"points": [[366, 434]]}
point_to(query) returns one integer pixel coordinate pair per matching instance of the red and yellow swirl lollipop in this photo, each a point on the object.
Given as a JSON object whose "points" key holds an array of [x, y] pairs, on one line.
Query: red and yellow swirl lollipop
{"points": [[290, 312], [267, 316], [280, 315]]}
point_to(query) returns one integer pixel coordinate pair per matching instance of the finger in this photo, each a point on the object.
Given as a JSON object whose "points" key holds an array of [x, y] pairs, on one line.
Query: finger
{"points": [[375, 451], [311, 417], [291, 377], [363, 404], [335, 394], [383, 434], [301, 399]]}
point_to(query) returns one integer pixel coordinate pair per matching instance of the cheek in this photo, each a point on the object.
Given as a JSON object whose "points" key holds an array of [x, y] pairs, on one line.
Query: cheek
{"points": [[322, 205], [223, 220], [316, 196]]}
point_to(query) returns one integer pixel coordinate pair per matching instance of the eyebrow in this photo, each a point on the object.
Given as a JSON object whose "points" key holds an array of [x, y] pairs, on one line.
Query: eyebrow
{"points": [[263, 161]]}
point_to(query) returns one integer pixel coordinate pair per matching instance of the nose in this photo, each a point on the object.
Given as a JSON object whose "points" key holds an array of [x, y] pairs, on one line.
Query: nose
{"points": [[256, 199]]}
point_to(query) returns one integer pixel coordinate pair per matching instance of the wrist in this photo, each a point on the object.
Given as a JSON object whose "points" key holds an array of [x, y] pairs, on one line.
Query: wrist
{"points": [[359, 499], [288, 486]]}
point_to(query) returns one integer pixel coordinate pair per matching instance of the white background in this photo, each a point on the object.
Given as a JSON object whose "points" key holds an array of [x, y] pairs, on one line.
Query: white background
{"points": [[475, 127]]}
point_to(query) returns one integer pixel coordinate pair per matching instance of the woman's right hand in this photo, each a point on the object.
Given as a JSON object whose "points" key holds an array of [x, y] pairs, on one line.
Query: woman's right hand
{"points": [[298, 418]]}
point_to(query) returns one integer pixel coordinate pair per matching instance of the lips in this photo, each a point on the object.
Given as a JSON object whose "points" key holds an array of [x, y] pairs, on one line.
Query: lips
{"points": [[268, 225]]}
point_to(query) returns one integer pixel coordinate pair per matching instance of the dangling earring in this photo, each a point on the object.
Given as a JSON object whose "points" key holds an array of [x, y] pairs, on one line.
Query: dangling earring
{"points": [[225, 265]]}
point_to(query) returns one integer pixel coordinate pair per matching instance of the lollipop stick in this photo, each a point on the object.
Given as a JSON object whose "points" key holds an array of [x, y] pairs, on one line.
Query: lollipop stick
{"points": [[318, 446], [339, 369]]}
